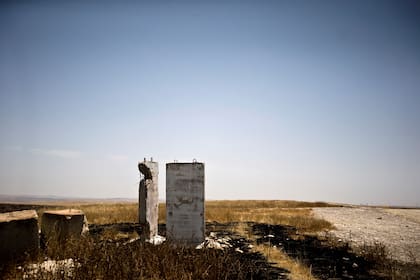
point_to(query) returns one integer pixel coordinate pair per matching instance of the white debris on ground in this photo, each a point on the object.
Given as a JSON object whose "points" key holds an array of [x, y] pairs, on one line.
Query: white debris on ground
{"points": [[156, 240], [51, 266], [238, 250], [213, 242]]}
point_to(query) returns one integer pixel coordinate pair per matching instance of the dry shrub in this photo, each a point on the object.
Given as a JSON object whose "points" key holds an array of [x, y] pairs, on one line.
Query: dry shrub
{"points": [[95, 259]]}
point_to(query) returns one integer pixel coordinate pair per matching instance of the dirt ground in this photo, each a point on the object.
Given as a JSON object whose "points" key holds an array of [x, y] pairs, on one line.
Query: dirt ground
{"points": [[397, 229]]}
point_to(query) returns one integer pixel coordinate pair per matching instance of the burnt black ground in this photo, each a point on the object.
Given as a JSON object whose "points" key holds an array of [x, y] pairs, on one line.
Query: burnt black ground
{"points": [[255, 262], [326, 261]]}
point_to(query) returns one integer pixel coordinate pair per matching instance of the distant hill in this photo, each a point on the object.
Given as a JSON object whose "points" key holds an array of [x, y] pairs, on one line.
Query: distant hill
{"points": [[54, 199]]}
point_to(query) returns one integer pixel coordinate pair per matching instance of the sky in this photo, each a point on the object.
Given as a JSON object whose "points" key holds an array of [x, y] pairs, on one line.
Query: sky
{"points": [[302, 100]]}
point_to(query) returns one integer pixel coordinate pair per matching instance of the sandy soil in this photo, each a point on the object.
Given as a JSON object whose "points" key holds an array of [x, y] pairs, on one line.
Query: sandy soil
{"points": [[397, 229]]}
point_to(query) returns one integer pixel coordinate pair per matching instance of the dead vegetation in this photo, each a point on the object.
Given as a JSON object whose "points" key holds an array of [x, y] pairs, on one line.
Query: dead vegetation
{"points": [[276, 256], [292, 213], [88, 258], [106, 258], [298, 271]]}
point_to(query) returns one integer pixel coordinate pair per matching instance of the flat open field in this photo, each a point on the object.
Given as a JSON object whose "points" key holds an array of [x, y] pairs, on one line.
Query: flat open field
{"points": [[397, 229], [246, 240]]}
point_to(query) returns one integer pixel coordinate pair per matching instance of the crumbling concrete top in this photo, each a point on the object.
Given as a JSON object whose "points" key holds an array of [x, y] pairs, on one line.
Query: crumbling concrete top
{"points": [[65, 212], [18, 215], [149, 169]]}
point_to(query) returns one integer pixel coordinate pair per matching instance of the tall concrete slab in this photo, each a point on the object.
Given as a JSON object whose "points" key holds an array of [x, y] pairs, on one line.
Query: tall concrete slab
{"points": [[185, 202], [149, 198], [18, 234]]}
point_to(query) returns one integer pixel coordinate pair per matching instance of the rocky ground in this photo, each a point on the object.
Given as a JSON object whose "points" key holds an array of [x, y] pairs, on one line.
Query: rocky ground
{"points": [[397, 229]]}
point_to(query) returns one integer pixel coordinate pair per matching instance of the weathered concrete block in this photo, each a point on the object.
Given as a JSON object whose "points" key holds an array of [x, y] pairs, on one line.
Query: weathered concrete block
{"points": [[19, 234], [185, 202], [149, 198], [63, 224]]}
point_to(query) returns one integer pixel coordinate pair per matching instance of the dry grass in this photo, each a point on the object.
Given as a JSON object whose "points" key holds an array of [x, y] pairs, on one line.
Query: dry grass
{"points": [[107, 213], [278, 258], [109, 259], [298, 271], [285, 212], [189, 264], [291, 213]]}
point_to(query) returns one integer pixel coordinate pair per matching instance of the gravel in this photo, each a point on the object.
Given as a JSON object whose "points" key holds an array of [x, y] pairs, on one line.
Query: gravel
{"points": [[397, 229]]}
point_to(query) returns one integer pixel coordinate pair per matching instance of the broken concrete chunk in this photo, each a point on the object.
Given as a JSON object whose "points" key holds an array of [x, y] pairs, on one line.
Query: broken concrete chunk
{"points": [[19, 235], [63, 224]]}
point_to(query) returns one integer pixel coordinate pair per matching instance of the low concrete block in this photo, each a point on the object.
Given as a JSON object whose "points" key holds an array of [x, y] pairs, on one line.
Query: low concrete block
{"points": [[63, 224], [19, 235]]}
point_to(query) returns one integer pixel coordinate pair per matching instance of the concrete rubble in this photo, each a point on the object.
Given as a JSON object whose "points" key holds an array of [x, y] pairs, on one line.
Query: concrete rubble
{"points": [[213, 242], [155, 240], [65, 267], [225, 241]]}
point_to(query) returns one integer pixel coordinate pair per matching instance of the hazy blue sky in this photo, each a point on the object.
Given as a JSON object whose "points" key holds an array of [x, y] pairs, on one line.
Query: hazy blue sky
{"points": [[306, 100]]}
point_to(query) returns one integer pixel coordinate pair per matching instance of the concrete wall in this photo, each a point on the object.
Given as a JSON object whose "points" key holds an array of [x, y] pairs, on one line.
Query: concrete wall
{"points": [[63, 224], [185, 202], [18, 234], [149, 198]]}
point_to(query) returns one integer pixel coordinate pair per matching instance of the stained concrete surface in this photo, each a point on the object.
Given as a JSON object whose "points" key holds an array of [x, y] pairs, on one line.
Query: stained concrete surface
{"points": [[149, 198], [185, 202]]}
